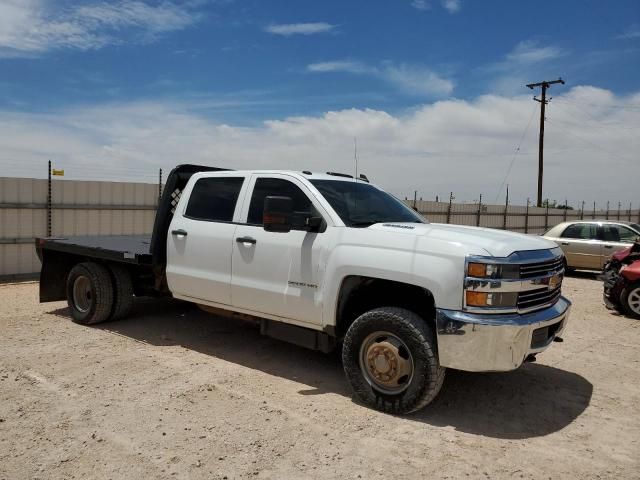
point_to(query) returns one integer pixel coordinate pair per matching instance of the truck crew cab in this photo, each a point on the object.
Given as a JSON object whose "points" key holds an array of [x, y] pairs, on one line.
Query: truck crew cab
{"points": [[328, 261]]}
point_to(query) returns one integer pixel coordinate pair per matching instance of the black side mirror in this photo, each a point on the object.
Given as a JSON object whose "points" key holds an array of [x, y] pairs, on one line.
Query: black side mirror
{"points": [[276, 216], [314, 224]]}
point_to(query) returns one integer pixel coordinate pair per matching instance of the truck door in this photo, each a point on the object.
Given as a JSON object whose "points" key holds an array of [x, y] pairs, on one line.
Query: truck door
{"points": [[278, 273], [200, 239]]}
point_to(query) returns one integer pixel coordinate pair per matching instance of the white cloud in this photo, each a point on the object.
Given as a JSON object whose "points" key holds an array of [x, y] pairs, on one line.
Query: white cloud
{"points": [[412, 79], [31, 27], [339, 66], [453, 6], [527, 62], [529, 52], [421, 5], [288, 29], [418, 80], [630, 33], [451, 145]]}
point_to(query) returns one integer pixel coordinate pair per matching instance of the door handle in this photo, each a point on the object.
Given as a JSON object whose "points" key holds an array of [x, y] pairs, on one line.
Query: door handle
{"points": [[250, 240], [608, 246], [565, 243], [179, 232]]}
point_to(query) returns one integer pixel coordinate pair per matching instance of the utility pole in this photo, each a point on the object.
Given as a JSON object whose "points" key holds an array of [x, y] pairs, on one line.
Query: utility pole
{"points": [[543, 102]]}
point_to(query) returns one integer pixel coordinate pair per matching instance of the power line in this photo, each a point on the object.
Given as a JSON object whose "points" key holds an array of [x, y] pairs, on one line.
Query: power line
{"points": [[515, 153]]}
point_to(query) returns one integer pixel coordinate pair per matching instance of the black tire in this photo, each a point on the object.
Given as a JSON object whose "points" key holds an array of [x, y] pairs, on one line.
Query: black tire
{"points": [[97, 304], [630, 290], [122, 291], [427, 374]]}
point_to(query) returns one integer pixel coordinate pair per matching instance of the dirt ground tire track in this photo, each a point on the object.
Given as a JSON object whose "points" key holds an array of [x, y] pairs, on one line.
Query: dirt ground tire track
{"points": [[428, 374], [101, 291], [199, 397], [122, 290]]}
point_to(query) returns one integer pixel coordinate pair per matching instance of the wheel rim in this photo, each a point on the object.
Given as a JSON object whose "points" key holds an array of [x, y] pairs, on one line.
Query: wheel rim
{"points": [[386, 362], [82, 296], [634, 300]]}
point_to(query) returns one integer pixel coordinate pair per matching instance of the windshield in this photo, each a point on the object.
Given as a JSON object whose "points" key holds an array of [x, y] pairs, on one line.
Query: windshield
{"points": [[361, 205], [636, 227]]}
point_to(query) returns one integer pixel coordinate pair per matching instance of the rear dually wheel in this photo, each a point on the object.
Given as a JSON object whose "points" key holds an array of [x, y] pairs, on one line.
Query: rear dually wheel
{"points": [[89, 293]]}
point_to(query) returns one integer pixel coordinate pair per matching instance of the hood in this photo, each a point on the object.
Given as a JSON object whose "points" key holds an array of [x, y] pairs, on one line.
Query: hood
{"points": [[477, 240]]}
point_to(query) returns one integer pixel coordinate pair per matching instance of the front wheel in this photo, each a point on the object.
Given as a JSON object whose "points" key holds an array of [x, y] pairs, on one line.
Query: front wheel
{"points": [[630, 300], [390, 359]]}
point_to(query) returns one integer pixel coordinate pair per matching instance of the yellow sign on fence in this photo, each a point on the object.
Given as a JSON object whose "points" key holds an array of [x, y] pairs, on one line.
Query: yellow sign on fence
{"points": [[59, 173]]}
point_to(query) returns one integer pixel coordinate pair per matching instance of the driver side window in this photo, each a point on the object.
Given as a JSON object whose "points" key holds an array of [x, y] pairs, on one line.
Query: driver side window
{"points": [[265, 187]]}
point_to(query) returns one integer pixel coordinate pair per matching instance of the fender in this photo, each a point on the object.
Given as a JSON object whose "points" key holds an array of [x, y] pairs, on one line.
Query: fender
{"points": [[435, 271]]}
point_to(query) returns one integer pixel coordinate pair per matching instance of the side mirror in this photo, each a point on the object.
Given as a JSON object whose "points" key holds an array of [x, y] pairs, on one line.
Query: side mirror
{"points": [[276, 216], [314, 224]]}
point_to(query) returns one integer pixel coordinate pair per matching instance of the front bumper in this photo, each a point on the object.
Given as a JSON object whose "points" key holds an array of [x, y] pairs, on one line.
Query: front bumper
{"points": [[493, 343]]}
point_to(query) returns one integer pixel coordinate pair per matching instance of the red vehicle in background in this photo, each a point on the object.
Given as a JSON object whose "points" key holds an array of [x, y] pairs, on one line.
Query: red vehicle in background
{"points": [[622, 281]]}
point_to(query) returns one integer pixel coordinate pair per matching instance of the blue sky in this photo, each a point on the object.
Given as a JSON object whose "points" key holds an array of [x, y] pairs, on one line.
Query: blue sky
{"points": [[254, 66]]}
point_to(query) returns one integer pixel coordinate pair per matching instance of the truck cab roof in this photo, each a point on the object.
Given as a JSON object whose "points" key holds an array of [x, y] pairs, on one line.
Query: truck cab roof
{"points": [[304, 174]]}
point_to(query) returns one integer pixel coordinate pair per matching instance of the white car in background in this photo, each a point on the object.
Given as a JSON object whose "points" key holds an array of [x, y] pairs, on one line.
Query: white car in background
{"points": [[589, 243]]}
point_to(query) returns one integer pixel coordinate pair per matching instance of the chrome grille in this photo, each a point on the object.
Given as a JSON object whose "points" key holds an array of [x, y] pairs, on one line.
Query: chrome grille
{"points": [[539, 269], [537, 298]]}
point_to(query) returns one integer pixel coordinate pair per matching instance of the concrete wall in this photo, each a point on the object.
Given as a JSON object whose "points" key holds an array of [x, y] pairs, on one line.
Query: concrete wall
{"points": [[79, 208]]}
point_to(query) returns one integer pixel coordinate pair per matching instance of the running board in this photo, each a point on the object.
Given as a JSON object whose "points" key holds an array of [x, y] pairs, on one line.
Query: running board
{"points": [[303, 337]]}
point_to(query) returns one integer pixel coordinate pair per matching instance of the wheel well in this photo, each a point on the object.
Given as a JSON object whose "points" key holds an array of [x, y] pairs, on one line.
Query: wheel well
{"points": [[359, 294]]}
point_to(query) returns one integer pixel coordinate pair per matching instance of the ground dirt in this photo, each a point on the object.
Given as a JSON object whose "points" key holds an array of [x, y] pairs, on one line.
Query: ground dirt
{"points": [[173, 392]]}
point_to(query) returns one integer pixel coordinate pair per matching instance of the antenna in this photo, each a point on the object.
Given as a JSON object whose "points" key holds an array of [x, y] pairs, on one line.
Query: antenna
{"points": [[355, 156]]}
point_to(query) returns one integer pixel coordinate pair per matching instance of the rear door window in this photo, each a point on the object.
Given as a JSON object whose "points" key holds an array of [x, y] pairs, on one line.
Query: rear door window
{"points": [[214, 199], [581, 231]]}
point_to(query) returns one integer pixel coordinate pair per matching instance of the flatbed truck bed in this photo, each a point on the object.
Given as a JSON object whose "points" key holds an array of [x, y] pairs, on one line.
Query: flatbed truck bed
{"points": [[134, 249]]}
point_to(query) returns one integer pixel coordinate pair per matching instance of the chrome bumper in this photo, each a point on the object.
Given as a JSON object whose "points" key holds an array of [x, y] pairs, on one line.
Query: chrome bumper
{"points": [[485, 342]]}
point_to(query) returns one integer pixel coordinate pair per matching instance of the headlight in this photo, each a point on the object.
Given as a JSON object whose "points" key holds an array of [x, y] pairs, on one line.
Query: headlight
{"points": [[479, 270], [492, 270], [522, 282], [480, 276], [487, 299]]}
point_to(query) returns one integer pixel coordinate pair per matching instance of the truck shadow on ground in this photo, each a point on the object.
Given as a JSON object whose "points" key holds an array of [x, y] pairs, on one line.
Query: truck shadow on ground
{"points": [[533, 401]]}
